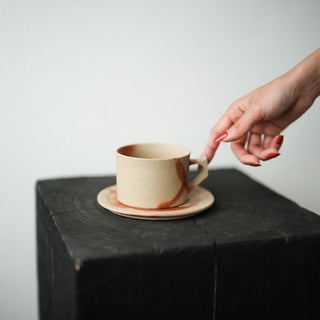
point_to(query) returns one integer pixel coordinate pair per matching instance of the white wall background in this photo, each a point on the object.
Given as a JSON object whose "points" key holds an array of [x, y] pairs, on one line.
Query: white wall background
{"points": [[80, 78]]}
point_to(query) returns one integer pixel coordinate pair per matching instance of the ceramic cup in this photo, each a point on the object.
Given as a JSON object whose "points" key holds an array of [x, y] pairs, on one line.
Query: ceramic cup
{"points": [[156, 175]]}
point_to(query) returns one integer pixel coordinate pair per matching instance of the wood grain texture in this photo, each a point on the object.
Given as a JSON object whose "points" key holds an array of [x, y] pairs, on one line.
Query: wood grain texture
{"points": [[254, 254]]}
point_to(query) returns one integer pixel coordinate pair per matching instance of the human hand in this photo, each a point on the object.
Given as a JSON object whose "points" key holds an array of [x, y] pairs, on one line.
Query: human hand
{"points": [[254, 122]]}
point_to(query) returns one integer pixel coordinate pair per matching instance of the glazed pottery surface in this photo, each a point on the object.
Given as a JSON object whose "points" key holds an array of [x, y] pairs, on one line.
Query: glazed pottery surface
{"points": [[156, 175]]}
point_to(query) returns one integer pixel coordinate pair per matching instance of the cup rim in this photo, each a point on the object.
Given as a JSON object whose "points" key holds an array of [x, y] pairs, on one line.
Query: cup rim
{"points": [[131, 147]]}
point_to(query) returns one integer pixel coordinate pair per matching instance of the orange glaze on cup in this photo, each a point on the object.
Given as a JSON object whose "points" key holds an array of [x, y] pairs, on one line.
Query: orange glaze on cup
{"points": [[183, 177], [128, 150]]}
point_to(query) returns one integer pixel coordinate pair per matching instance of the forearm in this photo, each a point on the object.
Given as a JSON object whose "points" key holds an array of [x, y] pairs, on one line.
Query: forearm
{"points": [[306, 77]]}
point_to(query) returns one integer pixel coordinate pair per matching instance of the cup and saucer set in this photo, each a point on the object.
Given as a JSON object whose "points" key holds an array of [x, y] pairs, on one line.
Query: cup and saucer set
{"points": [[153, 183]]}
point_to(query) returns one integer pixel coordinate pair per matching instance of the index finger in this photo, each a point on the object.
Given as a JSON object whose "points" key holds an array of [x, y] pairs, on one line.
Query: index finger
{"points": [[220, 127]]}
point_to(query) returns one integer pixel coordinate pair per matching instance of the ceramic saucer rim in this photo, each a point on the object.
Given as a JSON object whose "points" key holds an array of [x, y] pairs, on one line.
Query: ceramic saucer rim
{"points": [[157, 214]]}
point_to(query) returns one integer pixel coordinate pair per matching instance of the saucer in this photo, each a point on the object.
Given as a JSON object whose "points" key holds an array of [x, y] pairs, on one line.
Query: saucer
{"points": [[199, 200]]}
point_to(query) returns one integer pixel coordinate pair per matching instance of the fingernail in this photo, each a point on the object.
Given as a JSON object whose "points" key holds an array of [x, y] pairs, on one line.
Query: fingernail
{"points": [[279, 140], [254, 164], [273, 155], [223, 136]]}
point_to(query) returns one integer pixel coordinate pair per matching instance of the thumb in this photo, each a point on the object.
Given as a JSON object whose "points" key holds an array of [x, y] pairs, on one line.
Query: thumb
{"points": [[242, 126]]}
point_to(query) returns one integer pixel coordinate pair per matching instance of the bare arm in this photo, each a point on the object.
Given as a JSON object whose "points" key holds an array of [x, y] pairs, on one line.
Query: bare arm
{"points": [[254, 122]]}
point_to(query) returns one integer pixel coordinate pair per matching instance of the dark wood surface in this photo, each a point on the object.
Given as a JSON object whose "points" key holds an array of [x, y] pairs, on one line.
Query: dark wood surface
{"points": [[253, 255]]}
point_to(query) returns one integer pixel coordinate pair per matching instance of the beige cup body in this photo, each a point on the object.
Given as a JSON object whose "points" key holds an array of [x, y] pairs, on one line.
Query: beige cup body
{"points": [[153, 176]]}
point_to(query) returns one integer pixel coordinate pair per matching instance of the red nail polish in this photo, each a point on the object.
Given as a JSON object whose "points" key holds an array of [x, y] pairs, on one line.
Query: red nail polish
{"points": [[273, 155], [279, 140], [220, 138], [254, 164]]}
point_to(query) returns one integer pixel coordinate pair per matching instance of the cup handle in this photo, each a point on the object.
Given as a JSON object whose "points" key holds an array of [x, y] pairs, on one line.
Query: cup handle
{"points": [[203, 162]]}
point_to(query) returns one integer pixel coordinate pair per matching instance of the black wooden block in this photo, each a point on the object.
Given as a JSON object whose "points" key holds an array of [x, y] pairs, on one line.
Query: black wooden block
{"points": [[253, 255]]}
